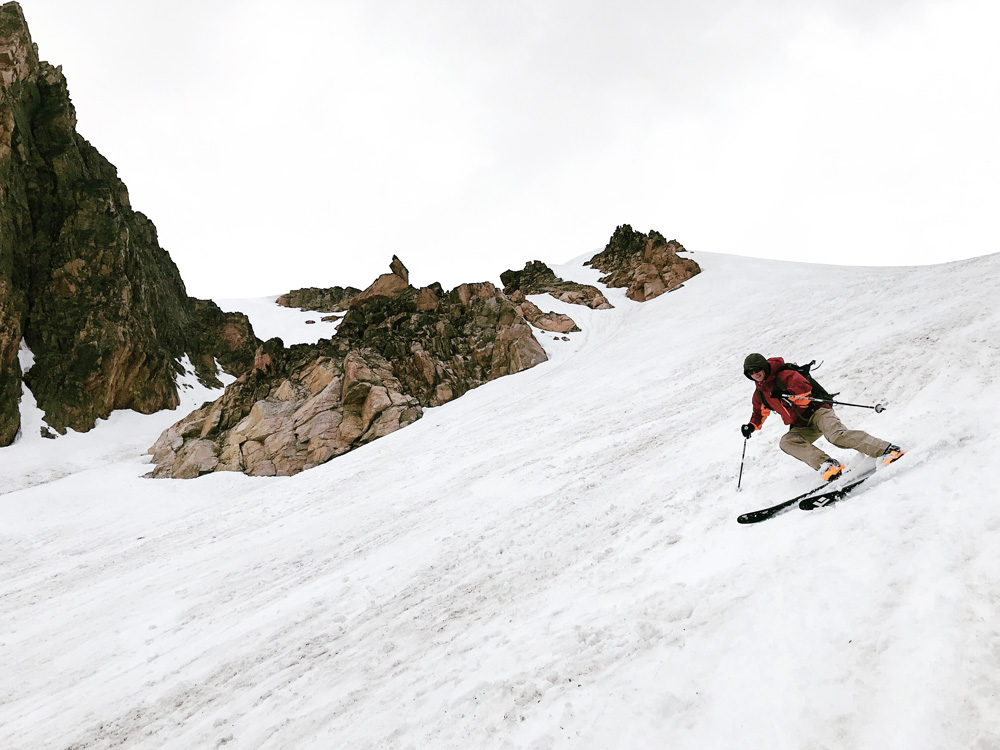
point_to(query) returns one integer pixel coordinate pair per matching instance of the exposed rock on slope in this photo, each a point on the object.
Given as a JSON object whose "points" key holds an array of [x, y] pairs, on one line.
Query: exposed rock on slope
{"points": [[296, 409], [398, 349], [212, 336], [547, 321], [386, 285], [648, 265], [328, 300], [538, 278], [83, 279], [441, 343]]}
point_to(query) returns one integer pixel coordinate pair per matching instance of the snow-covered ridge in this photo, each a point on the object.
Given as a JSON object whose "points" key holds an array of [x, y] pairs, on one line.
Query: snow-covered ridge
{"points": [[552, 560]]}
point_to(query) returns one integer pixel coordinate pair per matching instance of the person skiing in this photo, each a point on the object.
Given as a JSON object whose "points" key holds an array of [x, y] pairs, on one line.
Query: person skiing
{"points": [[787, 392]]}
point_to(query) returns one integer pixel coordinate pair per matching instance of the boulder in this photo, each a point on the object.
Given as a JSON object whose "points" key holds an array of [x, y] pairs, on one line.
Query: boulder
{"points": [[551, 321]]}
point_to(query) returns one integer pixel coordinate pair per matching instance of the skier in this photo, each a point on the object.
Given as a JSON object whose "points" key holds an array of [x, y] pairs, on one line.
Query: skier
{"points": [[786, 392]]}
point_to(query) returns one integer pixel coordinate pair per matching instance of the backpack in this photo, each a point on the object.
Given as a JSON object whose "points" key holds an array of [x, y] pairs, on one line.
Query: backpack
{"points": [[818, 391]]}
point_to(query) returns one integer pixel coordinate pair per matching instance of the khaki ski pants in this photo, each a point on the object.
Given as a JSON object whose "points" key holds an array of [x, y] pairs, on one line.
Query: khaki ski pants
{"points": [[798, 441]]}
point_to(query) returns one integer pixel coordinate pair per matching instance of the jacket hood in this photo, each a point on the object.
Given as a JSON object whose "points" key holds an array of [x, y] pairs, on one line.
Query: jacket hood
{"points": [[759, 362]]}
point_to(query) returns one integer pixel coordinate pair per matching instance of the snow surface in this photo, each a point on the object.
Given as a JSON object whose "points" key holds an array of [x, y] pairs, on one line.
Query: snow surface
{"points": [[552, 560], [33, 460], [287, 323]]}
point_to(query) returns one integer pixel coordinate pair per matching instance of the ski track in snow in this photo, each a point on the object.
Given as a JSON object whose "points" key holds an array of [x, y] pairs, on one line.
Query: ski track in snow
{"points": [[552, 560]]}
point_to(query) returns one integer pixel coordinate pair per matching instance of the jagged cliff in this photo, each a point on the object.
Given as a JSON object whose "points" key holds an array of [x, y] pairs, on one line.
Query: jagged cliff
{"points": [[83, 280]]}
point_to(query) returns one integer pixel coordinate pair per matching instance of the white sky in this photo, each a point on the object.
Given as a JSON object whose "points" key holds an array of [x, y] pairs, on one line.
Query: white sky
{"points": [[302, 143]]}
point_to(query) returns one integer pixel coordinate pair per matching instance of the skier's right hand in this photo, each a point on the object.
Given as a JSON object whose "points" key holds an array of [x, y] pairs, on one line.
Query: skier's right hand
{"points": [[747, 430]]}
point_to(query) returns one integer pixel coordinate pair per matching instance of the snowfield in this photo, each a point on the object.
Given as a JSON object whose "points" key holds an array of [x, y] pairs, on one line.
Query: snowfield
{"points": [[552, 560]]}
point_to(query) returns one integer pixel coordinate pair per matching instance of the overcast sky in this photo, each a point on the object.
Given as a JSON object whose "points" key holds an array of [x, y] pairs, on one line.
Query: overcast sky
{"points": [[278, 145]]}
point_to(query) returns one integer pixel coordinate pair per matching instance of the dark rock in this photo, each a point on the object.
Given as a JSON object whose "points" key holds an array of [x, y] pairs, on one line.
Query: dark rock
{"points": [[444, 344], [538, 278], [212, 335], [332, 299], [83, 279]]}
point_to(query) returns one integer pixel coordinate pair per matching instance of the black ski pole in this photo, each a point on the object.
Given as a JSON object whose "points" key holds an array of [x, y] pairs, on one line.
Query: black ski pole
{"points": [[742, 458], [878, 407]]}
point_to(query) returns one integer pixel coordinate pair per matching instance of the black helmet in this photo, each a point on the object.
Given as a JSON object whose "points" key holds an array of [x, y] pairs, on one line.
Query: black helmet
{"points": [[755, 362]]}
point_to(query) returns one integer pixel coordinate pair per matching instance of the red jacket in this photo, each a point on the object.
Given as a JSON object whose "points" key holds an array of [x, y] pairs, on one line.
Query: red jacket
{"points": [[783, 392]]}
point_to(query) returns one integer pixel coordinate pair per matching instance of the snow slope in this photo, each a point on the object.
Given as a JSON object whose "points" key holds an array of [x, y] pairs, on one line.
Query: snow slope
{"points": [[290, 324], [34, 460], [551, 561]]}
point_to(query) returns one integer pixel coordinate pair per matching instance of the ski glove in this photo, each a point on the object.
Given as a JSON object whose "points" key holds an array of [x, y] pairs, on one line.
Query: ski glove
{"points": [[747, 430]]}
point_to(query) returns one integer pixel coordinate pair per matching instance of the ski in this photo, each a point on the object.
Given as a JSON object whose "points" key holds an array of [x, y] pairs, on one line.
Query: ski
{"points": [[827, 488], [845, 486], [825, 494], [829, 497], [756, 516]]}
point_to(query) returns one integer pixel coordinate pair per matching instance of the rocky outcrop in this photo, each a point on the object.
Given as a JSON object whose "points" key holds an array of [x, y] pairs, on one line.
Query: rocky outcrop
{"points": [[212, 336], [295, 410], [339, 299], [83, 279], [386, 285], [443, 344], [329, 300], [397, 350], [647, 264], [538, 278], [547, 321]]}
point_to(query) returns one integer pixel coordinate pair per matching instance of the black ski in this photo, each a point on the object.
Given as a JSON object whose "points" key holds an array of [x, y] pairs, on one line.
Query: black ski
{"points": [[828, 498], [756, 516], [825, 494]]}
